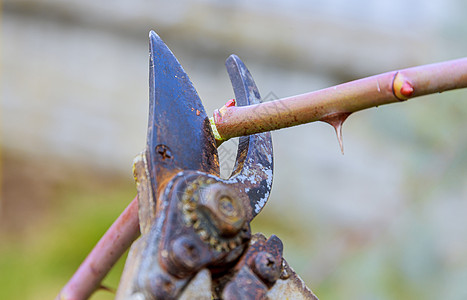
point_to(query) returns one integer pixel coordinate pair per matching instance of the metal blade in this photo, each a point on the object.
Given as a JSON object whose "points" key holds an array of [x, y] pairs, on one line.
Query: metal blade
{"points": [[179, 133], [253, 168]]}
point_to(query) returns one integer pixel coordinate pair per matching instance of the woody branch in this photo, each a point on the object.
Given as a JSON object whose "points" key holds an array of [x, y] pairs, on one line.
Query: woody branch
{"points": [[396, 86]]}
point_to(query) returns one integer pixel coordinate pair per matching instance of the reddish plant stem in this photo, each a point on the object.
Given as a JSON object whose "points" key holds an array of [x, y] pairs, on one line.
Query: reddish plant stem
{"points": [[105, 254], [344, 98]]}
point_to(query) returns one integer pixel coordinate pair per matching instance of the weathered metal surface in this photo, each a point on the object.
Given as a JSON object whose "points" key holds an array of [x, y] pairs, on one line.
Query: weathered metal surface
{"points": [[253, 169], [190, 218], [262, 273], [257, 270], [179, 133]]}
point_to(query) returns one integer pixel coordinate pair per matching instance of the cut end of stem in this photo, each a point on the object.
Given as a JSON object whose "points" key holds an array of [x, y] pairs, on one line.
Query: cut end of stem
{"points": [[217, 115], [216, 134]]}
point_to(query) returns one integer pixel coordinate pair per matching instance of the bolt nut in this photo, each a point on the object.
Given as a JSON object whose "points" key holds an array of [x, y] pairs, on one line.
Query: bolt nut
{"points": [[267, 267], [224, 207]]}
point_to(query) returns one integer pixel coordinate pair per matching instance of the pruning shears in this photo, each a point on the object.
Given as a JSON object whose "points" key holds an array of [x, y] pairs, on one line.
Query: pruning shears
{"points": [[196, 241]]}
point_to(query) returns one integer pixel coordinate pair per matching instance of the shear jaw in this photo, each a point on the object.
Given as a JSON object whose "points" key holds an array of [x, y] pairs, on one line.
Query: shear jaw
{"points": [[190, 218]]}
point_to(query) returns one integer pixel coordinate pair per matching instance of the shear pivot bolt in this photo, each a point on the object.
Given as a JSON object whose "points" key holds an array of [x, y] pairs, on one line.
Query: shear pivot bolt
{"points": [[224, 208]]}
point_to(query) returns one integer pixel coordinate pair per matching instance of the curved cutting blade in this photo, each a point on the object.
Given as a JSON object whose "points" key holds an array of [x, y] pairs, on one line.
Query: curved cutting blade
{"points": [[253, 168], [179, 133]]}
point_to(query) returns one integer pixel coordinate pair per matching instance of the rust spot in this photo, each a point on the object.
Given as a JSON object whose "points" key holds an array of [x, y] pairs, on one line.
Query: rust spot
{"points": [[197, 112]]}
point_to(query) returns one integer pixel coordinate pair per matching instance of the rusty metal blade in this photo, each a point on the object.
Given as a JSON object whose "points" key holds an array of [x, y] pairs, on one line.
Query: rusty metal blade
{"points": [[179, 133], [253, 168]]}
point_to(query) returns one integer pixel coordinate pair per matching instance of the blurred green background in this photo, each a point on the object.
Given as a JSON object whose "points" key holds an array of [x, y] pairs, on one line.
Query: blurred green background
{"points": [[384, 221]]}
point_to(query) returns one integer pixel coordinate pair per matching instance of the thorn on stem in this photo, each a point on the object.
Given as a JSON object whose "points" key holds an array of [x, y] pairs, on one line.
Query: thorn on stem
{"points": [[406, 89], [230, 103], [336, 120], [338, 129], [108, 289]]}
